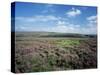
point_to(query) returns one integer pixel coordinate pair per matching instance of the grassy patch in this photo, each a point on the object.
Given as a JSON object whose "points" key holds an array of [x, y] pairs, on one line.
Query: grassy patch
{"points": [[69, 42]]}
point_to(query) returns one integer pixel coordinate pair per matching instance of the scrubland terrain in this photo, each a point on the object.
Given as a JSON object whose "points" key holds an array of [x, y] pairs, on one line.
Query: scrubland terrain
{"points": [[39, 52]]}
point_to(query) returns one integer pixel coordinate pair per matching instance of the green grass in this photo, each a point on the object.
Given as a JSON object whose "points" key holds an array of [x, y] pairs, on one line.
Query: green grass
{"points": [[68, 42]]}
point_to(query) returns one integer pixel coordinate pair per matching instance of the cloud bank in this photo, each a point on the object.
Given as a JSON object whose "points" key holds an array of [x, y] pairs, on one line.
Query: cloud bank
{"points": [[73, 12]]}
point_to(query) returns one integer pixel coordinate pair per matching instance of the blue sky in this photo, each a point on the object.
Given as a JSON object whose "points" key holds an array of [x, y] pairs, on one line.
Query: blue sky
{"points": [[55, 18]]}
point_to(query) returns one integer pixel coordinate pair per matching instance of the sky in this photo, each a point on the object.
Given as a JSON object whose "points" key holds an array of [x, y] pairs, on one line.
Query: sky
{"points": [[55, 18]]}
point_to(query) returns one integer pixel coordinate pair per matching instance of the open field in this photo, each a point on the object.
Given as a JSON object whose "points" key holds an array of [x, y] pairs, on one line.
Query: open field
{"points": [[36, 52]]}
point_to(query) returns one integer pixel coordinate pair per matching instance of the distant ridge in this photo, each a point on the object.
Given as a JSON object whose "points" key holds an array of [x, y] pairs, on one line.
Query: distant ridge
{"points": [[55, 34]]}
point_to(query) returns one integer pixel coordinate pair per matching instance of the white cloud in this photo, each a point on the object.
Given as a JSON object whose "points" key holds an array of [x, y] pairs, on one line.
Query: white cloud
{"points": [[45, 18], [61, 25], [61, 22], [91, 26], [22, 28], [65, 27], [37, 18], [92, 19], [73, 12]]}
